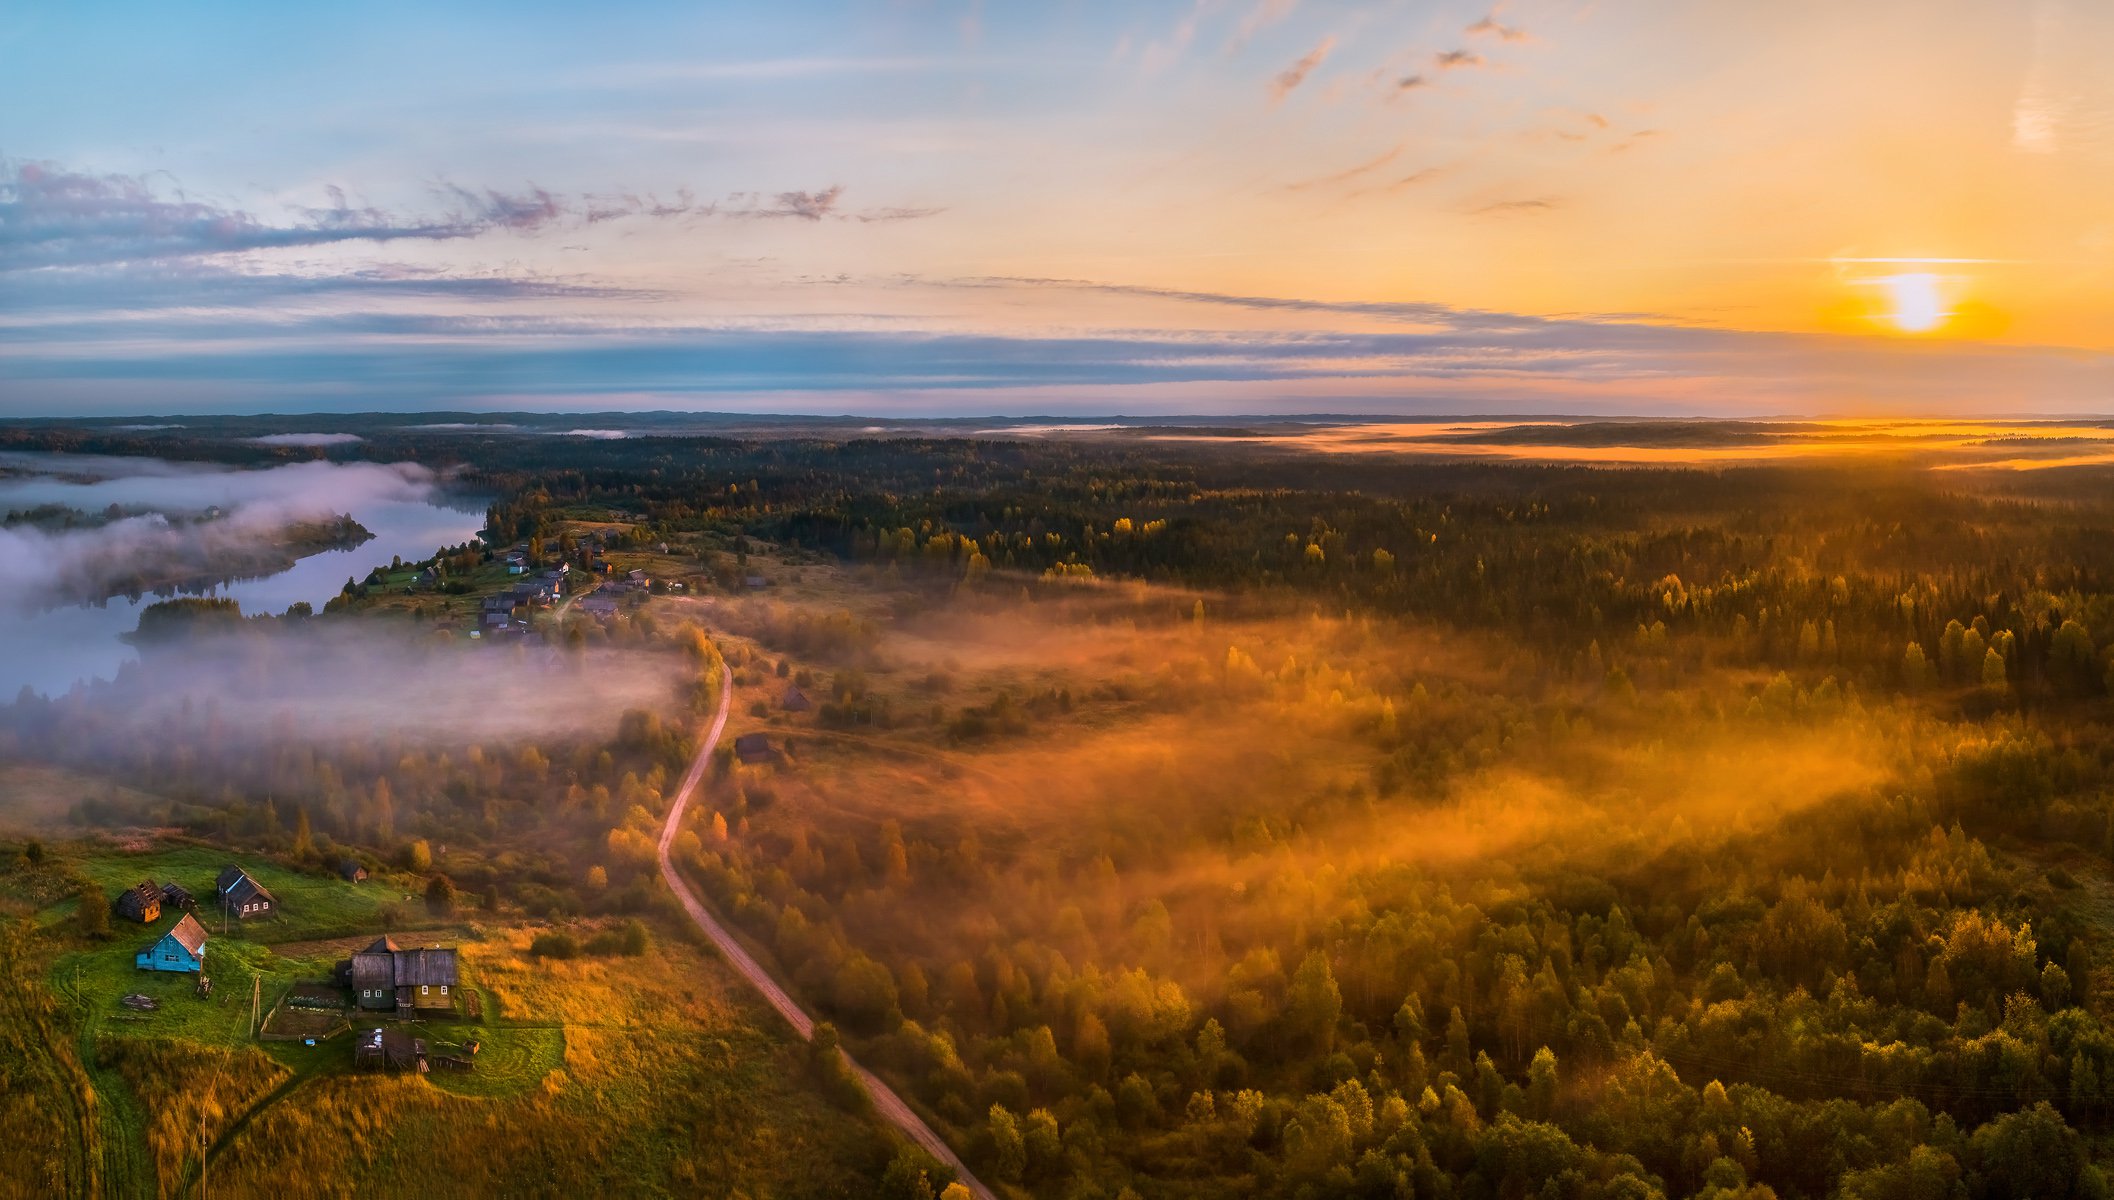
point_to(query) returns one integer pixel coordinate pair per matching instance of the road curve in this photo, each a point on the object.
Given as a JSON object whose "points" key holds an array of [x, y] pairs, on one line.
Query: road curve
{"points": [[886, 1102]]}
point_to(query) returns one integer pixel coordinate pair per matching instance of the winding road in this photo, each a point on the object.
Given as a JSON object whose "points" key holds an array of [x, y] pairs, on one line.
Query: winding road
{"points": [[886, 1102]]}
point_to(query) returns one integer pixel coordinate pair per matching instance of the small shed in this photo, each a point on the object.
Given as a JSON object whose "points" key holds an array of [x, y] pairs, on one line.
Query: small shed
{"points": [[141, 903], [182, 949], [176, 895], [794, 700], [389, 1050], [754, 748], [351, 871]]}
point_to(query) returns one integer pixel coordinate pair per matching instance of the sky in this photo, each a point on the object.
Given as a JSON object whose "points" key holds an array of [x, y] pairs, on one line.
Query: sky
{"points": [[951, 207]]}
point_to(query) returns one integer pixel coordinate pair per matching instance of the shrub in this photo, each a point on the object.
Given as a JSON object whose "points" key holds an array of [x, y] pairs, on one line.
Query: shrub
{"points": [[555, 945], [628, 940]]}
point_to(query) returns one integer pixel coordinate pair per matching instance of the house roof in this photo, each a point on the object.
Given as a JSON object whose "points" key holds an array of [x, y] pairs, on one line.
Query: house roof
{"points": [[386, 965], [753, 747], [372, 969], [189, 934], [246, 890], [415, 967], [140, 898]]}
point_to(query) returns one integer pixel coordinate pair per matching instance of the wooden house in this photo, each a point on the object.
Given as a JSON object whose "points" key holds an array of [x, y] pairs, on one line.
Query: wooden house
{"points": [[794, 700], [351, 871], [242, 897], [385, 977], [177, 896], [181, 949], [141, 903]]}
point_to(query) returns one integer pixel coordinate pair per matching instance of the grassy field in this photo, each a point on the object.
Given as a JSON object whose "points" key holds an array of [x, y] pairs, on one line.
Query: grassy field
{"points": [[651, 1075], [310, 906]]}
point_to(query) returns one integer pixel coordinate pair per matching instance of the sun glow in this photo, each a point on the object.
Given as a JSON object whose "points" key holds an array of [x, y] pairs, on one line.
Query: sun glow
{"points": [[1916, 306]]}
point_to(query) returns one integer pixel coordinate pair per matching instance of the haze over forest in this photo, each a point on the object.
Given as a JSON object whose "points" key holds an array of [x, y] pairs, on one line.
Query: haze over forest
{"points": [[1288, 599]]}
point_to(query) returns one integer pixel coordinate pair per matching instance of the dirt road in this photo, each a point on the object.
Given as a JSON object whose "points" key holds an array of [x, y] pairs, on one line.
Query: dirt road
{"points": [[886, 1102]]}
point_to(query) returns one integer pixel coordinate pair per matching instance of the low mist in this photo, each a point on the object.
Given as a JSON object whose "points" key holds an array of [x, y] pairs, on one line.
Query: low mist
{"points": [[160, 522], [334, 682]]}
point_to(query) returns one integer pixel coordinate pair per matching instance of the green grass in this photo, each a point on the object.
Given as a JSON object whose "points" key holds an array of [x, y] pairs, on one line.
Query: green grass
{"points": [[310, 906], [510, 1062]]}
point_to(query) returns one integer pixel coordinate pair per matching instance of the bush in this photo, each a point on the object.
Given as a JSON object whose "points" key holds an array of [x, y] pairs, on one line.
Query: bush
{"points": [[440, 896], [555, 945], [93, 915], [628, 940]]}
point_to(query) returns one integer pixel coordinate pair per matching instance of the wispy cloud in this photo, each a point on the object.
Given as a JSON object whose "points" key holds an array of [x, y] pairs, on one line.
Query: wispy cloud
{"points": [[1490, 26], [1265, 14], [1508, 208], [1448, 60], [801, 206], [1344, 176], [1291, 77], [52, 217], [1471, 360]]}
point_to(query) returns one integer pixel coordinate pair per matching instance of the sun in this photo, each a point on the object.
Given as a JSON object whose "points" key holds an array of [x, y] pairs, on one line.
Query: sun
{"points": [[1916, 306]]}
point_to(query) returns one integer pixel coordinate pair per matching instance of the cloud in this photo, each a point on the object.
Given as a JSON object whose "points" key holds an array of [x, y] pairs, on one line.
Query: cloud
{"points": [[51, 217], [1448, 60], [1491, 27], [1502, 208], [805, 206], [1159, 55], [1265, 14], [1296, 74], [1406, 357], [1408, 83], [1372, 164], [197, 283], [897, 214]]}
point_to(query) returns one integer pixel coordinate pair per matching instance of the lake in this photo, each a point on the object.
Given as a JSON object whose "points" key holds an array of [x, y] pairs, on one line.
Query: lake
{"points": [[50, 650]]}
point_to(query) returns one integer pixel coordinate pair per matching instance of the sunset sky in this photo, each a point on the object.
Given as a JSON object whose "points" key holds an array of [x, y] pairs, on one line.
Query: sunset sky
{"points": [[923, 208]]}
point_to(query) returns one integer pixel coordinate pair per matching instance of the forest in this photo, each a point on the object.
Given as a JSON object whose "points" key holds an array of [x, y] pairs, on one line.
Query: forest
{"points": [[1191, 816]]}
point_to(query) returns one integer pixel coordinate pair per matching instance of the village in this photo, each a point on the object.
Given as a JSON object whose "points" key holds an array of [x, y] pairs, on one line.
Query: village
{"points": [[377, 994], [503, 593]]}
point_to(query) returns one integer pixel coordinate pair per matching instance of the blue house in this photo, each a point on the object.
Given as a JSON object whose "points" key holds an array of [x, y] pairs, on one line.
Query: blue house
{"points": [[183, 948]]}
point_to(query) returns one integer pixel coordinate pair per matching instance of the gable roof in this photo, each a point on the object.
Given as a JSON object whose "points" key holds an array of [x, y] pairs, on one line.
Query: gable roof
{"points": [[236, 887], [189, 934], [386, 965], [142, 898]]}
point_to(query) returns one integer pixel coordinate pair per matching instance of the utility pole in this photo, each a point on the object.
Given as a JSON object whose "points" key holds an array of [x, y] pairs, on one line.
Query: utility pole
{"points": [[256, 994]]}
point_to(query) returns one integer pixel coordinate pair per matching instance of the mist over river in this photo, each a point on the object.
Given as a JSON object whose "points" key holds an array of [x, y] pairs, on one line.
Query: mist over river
{"points": [[49, 645]]}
